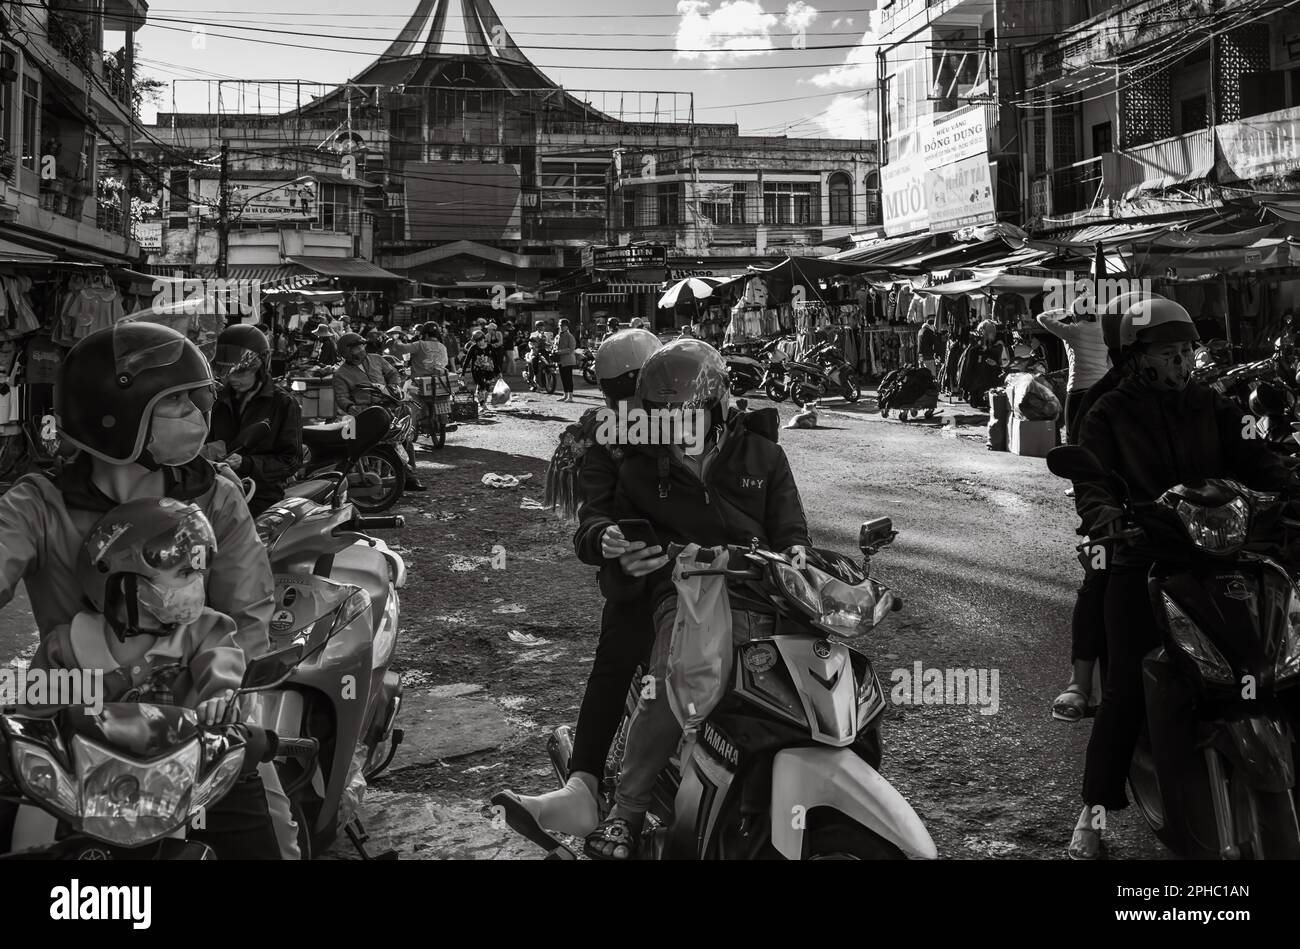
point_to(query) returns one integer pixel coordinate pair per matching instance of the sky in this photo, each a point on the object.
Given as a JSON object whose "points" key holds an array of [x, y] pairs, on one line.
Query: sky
{"points": [[736, 56]]}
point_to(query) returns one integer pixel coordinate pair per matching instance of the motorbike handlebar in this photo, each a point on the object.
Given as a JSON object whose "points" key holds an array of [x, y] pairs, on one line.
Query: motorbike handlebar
{"points": [[393, 522], [306, 748]]}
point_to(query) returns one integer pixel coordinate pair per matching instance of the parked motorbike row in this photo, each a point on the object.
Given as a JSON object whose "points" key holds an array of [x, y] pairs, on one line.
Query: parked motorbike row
{"points": [[131, 782], [822, 372]]}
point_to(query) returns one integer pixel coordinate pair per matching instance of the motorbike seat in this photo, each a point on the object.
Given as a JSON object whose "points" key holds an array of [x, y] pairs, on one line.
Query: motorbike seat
{"points": [[323, 435]]}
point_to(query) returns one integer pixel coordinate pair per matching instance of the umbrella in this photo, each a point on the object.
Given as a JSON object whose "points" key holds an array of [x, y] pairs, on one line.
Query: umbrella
{"points": [[697, 287]]}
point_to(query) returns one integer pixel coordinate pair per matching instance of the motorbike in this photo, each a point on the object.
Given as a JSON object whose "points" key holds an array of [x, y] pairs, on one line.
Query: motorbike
{"points": [[540, 372], [378, 478], [1225, 608], [797, 732], [587, 364], [822, 372], [345, 696], [746, 372], [130, 780]]}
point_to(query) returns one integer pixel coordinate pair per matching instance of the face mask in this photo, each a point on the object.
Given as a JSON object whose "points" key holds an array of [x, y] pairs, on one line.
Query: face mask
{"points": [[1165, 373], [177, 606], [175, 441]]}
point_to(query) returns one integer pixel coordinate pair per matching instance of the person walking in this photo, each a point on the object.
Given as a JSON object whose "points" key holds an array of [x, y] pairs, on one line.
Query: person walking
{"points": [[565, 345], [1086, 351]]}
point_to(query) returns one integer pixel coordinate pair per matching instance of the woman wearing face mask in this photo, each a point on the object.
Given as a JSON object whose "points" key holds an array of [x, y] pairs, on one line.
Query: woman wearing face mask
{"points": [[135, 398], [1155, 430], [247, 395]]}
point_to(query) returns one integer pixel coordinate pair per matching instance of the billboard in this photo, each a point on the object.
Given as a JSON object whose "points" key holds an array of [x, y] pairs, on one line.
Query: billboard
{"points": [[252, 201], [940, 180], [960, 194], [903, 196], [462, 201]]}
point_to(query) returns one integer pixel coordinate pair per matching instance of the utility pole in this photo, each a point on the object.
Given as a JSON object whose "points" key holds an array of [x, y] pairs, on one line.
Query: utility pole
{"points": [[223, 212]]}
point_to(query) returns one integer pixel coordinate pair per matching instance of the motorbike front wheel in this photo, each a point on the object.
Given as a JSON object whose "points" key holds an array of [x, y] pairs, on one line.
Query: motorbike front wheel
{"points": [[852, 391], [776, 391], [848, 841], [378, 481], [589, 375], [549, 379]]}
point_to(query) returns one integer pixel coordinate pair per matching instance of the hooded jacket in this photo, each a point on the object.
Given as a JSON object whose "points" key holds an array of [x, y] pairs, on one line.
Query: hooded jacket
{"points": [[1155, 440], [43, 524], [748, 491], [272, 460], [197, 662]]}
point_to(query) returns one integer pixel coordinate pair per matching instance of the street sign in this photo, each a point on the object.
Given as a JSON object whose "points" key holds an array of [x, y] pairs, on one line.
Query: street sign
{"points": [[629, 258]]}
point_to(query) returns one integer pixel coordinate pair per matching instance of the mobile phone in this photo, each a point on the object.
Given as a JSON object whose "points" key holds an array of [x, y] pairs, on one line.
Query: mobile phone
{"points": [[639, 529]]}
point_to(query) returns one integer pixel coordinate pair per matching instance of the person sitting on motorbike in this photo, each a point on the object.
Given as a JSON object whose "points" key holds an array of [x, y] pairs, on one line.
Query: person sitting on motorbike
{"points": [[611, 327], [358, 370], [483, 363], [325, 350], [737, 488], [993, 351], [1155, 430], [536, 359], [429, 360], [582, 481], [247, 394], [134, 399]]}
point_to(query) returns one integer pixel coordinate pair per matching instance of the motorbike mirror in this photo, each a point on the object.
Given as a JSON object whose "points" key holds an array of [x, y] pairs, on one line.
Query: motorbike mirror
{"points": [[270, 670], [1074, 463], [876, 533]]}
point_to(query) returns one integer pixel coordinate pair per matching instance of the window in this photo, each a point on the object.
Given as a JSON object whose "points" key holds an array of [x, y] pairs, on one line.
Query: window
{"points": [[335, 210], [629, 207], [841, 194], [1194, 114], [670, 202], [739, 194], [790, 202], [574, 187], [1101, 139], [31, 111], [718, 202], [178, 184]]}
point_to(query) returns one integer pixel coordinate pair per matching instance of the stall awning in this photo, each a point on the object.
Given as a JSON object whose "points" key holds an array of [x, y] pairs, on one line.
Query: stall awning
{"points": [[1160, 165], [345, 267], [268, 276]]}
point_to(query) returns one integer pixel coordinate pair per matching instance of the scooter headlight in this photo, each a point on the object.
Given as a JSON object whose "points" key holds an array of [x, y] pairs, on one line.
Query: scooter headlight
{"points": [[220, 781], [1218, 530], [836, 607], [1288, 658], [131, 803], [1192, 641], [42, 777], [386, 637]]}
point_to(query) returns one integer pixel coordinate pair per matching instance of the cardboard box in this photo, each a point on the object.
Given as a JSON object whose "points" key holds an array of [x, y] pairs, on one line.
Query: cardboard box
{"points": [[1031, 439]]}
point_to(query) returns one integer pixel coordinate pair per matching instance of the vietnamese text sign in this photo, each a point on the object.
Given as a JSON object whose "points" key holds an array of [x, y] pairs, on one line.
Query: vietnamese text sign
{"points": [[1261, 145], [961, 134], [903, 196], [629, 258], [960, 194], [149, 235], [261, 200]]}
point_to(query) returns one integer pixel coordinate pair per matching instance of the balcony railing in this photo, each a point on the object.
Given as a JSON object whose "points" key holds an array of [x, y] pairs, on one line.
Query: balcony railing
{"points": [[1066, 190]]}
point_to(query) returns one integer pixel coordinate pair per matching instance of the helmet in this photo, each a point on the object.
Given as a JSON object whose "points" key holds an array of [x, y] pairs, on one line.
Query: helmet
{"points": [[619, 361], [535, 337], [1115, 308], [986, 325], [240, 347], [478, 334], [111, 380], [638, 323], [348, 340], [688, 373], [492, 326], [129, 556], [323, 330], [1271, 399], [1156, 321]]}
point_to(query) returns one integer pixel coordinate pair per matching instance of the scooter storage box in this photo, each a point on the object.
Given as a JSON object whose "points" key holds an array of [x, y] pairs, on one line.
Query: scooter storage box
{"points": [[317, 400], [1031, 439]]}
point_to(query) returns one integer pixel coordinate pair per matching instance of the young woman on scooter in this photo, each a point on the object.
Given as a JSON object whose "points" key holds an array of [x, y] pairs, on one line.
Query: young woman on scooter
{"points": [[135, 398], [1155, 430], [626, 632]]}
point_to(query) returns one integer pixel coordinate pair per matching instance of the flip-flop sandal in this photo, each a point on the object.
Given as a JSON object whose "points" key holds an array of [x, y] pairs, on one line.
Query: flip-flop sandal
{"points": [[614, 831], [1066, 710], [522, 822], [1078, 850]]}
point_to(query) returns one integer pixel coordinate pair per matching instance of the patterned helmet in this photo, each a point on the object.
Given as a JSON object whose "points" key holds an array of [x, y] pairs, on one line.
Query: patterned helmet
{"points": [[687, 373]]}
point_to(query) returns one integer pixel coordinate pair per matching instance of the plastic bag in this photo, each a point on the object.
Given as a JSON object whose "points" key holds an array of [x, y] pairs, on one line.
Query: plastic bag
{"points": [[1032, 398], [500, 393], [700, 657], [354, 790]]}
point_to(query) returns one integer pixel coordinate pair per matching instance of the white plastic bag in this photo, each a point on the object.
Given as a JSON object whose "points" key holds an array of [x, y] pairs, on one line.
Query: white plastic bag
{"points": [[500, 393], [700, 657]]}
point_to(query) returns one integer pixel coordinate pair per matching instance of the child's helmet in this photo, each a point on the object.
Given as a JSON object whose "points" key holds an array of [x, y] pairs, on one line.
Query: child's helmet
{"points": [[619, 361], [128, 557], [687, 373], [1115, 310], [110, 382], [1156, 321]]}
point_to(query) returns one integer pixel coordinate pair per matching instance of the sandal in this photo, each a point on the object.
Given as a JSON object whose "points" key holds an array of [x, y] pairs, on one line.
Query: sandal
{"points": [[1086, 844], [1071, 705], [615, 831]]}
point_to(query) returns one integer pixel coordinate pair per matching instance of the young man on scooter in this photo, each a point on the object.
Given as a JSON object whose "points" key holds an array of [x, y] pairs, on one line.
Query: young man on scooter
{"points": [[736, 488], [135, 398], [360, 368], [1155, 430], [626, 633], [144, 569]]}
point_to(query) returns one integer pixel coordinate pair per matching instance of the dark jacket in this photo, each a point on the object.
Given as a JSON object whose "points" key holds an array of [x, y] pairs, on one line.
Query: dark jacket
{"points": [[269, 461], [927, 342], [1107, 383], [484, 364], [1157, 440], [748, 492]]}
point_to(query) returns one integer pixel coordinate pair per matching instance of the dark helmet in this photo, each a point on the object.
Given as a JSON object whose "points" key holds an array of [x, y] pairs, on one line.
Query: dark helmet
{"points": [[353, 339], [1271, 399], [110, 382], [619, 361], [135, 544], [686, 373], [239, 347]]}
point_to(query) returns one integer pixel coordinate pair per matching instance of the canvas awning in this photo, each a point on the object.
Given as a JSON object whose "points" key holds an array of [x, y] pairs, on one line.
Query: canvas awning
{"points": [[351, 268], [1157, 166], [268, 276]]}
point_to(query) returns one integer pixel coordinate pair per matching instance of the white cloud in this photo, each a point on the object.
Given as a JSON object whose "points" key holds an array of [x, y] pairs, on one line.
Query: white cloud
{"points": [[850, 116], [737, 29], [859, 69]]}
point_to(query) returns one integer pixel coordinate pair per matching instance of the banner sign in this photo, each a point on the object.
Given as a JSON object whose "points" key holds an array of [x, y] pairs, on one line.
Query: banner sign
{"points": [[960, 194], [903, 196], [960, 134], [148, 234], [629, 258], [261, 200], [945, 184], [1259, 146]]}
